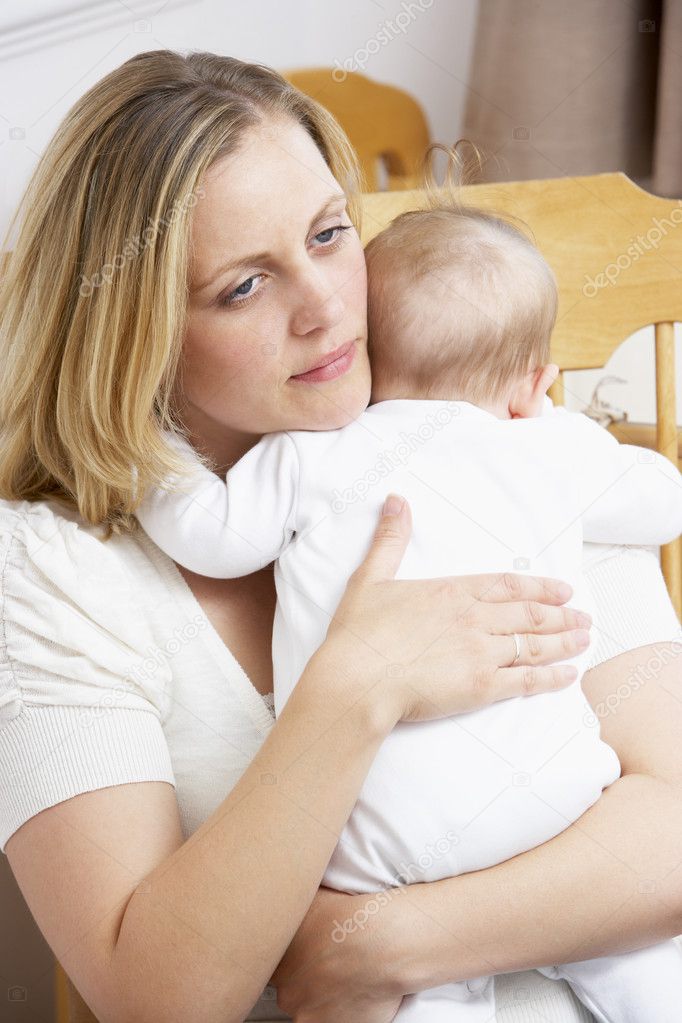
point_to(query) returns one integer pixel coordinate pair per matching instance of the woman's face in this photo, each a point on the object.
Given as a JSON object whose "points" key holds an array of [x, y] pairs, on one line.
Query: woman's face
{"points": [[278, 288]]}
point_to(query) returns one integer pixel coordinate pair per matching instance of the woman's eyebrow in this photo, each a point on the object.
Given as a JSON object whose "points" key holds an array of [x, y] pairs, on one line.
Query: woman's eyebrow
{"points": [[260, 257]]}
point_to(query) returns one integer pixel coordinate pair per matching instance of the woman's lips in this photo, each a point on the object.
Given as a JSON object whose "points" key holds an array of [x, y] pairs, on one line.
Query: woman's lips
{"points": [[340, 365]]}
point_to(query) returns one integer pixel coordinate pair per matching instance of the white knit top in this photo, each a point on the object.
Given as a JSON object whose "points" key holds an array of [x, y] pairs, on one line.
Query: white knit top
{"points": [[111, 673]]}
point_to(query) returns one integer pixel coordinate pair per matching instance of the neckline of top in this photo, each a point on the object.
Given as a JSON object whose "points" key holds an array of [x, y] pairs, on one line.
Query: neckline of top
{"points": [[456, 408], [251, 699]]}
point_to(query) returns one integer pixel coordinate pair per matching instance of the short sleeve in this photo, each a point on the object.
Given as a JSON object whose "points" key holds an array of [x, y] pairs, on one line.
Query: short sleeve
{"points": [[632, 602], [80, 708]]}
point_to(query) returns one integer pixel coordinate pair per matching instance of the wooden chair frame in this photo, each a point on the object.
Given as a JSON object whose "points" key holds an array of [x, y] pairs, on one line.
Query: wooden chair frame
{"points": [[385, 124]]}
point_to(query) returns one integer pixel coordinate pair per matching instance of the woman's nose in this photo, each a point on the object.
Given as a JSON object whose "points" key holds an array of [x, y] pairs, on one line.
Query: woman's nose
{"points": [[320, 306]]}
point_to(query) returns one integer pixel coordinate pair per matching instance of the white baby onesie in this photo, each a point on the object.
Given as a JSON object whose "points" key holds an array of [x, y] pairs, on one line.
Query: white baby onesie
{"points": [[487, 495]]}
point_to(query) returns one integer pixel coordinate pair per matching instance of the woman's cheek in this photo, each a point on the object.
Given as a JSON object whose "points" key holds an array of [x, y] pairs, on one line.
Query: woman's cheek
{"points": [[215, 361], [356, 291], [239, 365]]}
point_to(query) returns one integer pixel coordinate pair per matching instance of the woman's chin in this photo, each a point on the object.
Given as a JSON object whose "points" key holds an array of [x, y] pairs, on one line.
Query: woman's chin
{"points": [[334, 414], [332, 405]]}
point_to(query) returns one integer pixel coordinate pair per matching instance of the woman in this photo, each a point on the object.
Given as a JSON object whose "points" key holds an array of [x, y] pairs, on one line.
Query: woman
{"points": [[185, 259]]}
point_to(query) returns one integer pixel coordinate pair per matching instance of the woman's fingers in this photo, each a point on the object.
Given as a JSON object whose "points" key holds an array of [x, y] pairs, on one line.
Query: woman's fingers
{"points": [[448, 640], [512, 587], [537, 649], [526, 616], [524, 680], [391, 537]]}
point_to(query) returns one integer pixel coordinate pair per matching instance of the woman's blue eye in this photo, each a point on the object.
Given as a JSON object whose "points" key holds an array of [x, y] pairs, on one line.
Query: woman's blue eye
{"points": [[245, 284], [329, 232], [244, 291], [241, 292]]}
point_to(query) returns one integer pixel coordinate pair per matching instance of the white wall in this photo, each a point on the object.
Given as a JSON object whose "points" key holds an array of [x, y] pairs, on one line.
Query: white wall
{"points": [[428, 52]]}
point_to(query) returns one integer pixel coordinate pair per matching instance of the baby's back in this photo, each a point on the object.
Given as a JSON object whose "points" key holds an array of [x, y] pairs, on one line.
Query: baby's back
{"points": [[486, 495]]}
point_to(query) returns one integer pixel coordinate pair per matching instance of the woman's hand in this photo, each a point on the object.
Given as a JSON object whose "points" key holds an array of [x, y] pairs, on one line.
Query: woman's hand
{"points": [[429, 648], [325, 975]]}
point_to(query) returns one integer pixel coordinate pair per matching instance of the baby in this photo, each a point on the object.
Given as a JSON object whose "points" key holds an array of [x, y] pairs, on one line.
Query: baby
{"points": [[461, 308]]}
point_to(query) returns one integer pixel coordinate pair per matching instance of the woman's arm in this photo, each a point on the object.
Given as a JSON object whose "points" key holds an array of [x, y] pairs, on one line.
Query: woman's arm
{"points": [[610, 883]]}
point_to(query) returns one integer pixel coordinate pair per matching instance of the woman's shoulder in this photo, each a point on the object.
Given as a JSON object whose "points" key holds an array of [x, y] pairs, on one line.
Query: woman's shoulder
{"points": [[77, 618], [29, 523], [53, 537], [51, 514], [73, 604]]}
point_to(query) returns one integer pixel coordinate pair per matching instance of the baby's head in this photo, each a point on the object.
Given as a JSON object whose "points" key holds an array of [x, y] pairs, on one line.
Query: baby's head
{"points": [[461, 307]]}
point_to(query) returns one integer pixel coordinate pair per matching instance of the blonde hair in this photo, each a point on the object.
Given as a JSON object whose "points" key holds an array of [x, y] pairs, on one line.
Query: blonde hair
{"points": [[87, 370], [461, 303]]}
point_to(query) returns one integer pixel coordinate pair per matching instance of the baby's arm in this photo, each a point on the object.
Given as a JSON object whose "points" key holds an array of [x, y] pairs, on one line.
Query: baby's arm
{"points": [[231, 527], [627, 494]]}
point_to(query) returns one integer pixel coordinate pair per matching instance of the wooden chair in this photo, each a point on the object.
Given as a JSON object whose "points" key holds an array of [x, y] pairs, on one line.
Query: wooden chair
{"points": [[69, 1006], [616, 251], [385, 124]]}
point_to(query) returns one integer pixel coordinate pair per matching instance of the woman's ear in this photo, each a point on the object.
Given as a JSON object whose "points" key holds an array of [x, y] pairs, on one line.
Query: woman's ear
{"points": [[527, 400]]}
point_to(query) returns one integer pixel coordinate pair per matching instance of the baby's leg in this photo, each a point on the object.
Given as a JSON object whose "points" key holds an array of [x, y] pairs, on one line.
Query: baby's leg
{"points": [[637, 987], [472, 1001]]}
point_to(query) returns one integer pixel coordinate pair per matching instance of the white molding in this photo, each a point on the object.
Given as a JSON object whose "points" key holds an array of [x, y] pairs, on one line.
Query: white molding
{"points": [[42, 23]]}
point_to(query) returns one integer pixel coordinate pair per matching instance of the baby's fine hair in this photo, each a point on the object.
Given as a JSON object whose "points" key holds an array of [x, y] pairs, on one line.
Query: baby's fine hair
{"points": [[461, 303]]}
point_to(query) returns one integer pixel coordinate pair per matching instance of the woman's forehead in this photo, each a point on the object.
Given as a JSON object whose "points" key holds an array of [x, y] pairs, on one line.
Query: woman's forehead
{"points": [[275, 182], [277, 165]]}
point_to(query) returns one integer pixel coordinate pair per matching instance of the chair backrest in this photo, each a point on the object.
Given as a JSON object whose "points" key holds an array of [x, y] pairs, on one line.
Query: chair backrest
{"points": [[384, 123], [616, 252], [69, 1006]]}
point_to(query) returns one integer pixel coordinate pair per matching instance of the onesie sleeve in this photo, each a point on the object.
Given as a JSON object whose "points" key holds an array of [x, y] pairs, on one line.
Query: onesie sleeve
{"points": [[626, 494], [228, 527], [77, 710]]}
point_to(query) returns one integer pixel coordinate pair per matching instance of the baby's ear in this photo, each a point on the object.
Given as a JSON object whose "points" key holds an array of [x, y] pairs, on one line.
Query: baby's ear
{"points": [[528, 399], [547, 376]]}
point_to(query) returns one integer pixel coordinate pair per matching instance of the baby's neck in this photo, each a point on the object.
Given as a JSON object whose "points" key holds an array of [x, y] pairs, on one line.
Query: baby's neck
{"points": [[500, 410]]}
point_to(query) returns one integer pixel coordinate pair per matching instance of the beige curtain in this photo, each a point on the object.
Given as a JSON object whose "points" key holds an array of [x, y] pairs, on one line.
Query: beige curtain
{"points": [[562, 88]]}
